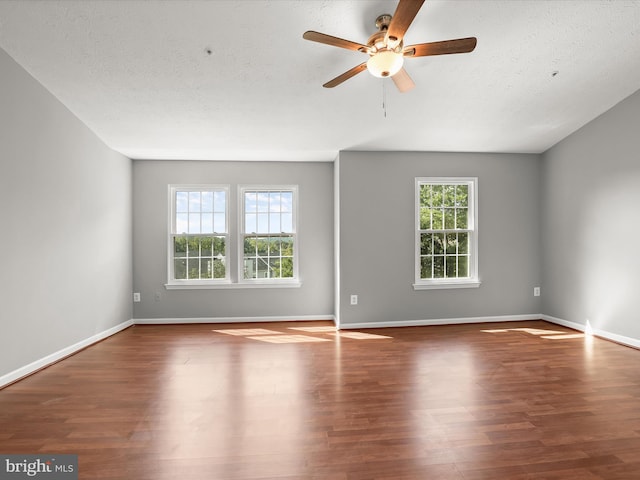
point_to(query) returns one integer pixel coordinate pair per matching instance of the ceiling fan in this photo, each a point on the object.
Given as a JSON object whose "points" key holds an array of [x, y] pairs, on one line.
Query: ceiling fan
{"points": [[386, 49]]}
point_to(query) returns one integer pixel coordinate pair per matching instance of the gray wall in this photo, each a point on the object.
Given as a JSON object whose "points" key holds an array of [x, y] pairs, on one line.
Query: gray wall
{"points": [[591, 227], [65, 205], [377, 236], [315, 203]]}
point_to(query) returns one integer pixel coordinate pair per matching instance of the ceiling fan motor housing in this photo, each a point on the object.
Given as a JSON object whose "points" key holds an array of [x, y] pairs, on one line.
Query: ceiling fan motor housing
{"points": [[386, 58], [385, 47]]}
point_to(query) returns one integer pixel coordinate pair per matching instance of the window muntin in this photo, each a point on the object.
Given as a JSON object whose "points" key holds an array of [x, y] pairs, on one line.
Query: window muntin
{"points": [[268, 234], [446, 231], [199, 234]]}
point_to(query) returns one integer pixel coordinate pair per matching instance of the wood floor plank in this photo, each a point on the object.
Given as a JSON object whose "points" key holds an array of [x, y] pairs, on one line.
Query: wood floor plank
{"points": [[518, 401]]}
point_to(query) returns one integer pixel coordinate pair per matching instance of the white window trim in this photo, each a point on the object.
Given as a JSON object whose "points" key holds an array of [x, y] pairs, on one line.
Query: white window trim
{"points": [[173, 283], [231, 285], [268, 282], [473, 280]]}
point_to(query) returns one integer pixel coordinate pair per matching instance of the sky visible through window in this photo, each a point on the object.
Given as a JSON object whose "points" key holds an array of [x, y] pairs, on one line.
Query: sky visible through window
{"points": [[268, 212], [201, 212]]}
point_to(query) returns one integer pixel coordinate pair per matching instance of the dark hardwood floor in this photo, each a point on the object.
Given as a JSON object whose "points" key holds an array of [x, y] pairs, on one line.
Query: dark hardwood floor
{"points": [[521, 400]]}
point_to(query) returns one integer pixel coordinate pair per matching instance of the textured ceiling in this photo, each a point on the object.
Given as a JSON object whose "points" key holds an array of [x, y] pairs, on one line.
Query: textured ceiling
{"points": [[139, 75]]}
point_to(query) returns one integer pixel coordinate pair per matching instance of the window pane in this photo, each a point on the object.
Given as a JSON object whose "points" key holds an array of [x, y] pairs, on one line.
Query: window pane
{"points": [[262, 246], [286, 201], [206, 268], [425, 195], [193, 247], [206, 246], [287, 246], [207, 201], [463, 266], [179, 247], [286, 223], [263, 255], [219, 223], [263, 201], [262, 268], [461, 218], [263, 223], [194, 201], [449, 218], [250, 223], [182, 223], [436, 196], [438, 243], [207, 223], [425, 267], [182, 201], [438, 267], [287, 267], [463, 243], [249, 267], [193, 268], [451, 245], [180, 269], [437, 218], [250, 202], [449, 193], [450, 262], [274, 223], [426, 243], [219, 244], [274, 247], [194, 223], [425, 218], [219, 202], [274, 268], [462, 194], [193, 251], [445, 228], [274, 201], [219, 269], [249, 246]]}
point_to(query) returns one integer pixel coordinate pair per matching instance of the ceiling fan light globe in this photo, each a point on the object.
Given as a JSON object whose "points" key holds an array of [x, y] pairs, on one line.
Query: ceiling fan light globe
{"points": [[385, 63]]}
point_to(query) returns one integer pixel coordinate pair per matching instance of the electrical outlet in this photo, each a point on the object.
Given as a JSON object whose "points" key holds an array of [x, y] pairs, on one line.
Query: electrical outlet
{"points": [[536, 291], [354, 299], [136, 297]]}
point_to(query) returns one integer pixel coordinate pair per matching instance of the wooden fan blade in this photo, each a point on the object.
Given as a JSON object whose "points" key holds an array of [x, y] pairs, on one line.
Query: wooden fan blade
{"points": [[334, 41], [400, 21], [446, 47], [403, 81], [345, 76]]}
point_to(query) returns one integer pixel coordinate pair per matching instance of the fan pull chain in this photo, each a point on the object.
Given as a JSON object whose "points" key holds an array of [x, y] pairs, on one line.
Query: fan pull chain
{"points": [[384, 98]]}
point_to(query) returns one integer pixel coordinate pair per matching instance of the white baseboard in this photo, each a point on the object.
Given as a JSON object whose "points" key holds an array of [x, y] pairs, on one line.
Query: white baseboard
{"points": [[60, 354], [65, 352], [614, 337], [165, 321], [442, 321]]}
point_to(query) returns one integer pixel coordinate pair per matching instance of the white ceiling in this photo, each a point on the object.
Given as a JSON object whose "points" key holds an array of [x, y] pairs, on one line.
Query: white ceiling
{"points": [[138, 74]]}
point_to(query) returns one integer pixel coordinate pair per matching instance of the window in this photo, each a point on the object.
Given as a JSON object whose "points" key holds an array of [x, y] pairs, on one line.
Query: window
{"points": [[446, 241], [199, 234], [268, 243]]}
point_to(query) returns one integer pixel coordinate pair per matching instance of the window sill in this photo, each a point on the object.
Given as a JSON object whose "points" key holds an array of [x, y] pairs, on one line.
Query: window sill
{"points": [[230, 285], [447, 285]]}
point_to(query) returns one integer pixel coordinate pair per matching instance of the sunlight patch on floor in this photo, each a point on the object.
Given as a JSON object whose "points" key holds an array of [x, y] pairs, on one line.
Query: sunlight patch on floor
{"points": [[273, 336], [542, 333], [567, 335], [359, 335], [247, 331], [288, 339], [314, 329]]}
